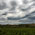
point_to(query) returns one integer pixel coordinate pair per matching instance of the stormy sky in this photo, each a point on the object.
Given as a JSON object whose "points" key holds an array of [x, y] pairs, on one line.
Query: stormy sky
{"points": [[17, 10]]}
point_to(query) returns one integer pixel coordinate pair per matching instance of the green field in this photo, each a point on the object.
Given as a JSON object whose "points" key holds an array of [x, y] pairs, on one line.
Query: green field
{"points": [[8, 30]]}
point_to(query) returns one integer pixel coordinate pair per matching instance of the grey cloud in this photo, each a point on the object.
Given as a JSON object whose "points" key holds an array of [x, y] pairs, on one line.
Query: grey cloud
{"points": [[4, 13], [27, 18], [33, 0], [12, 9], [2, 19], [33, 4], [31, 18], [11, 18], [3, 6], [25, 9], [25, 1], [13, 3], [29, 14]]}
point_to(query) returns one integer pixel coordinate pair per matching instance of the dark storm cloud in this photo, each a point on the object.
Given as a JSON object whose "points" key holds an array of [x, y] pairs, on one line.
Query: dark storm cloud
{"points": [[31, 18], [3, 6], [14, 18]]}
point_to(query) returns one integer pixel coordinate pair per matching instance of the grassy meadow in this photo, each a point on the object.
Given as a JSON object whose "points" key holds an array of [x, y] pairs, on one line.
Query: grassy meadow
{"points": [[16, 30]]}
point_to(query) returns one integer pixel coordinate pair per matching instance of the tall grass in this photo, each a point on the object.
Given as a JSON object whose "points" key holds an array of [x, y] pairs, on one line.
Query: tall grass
{"points": [[9, 30]]}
